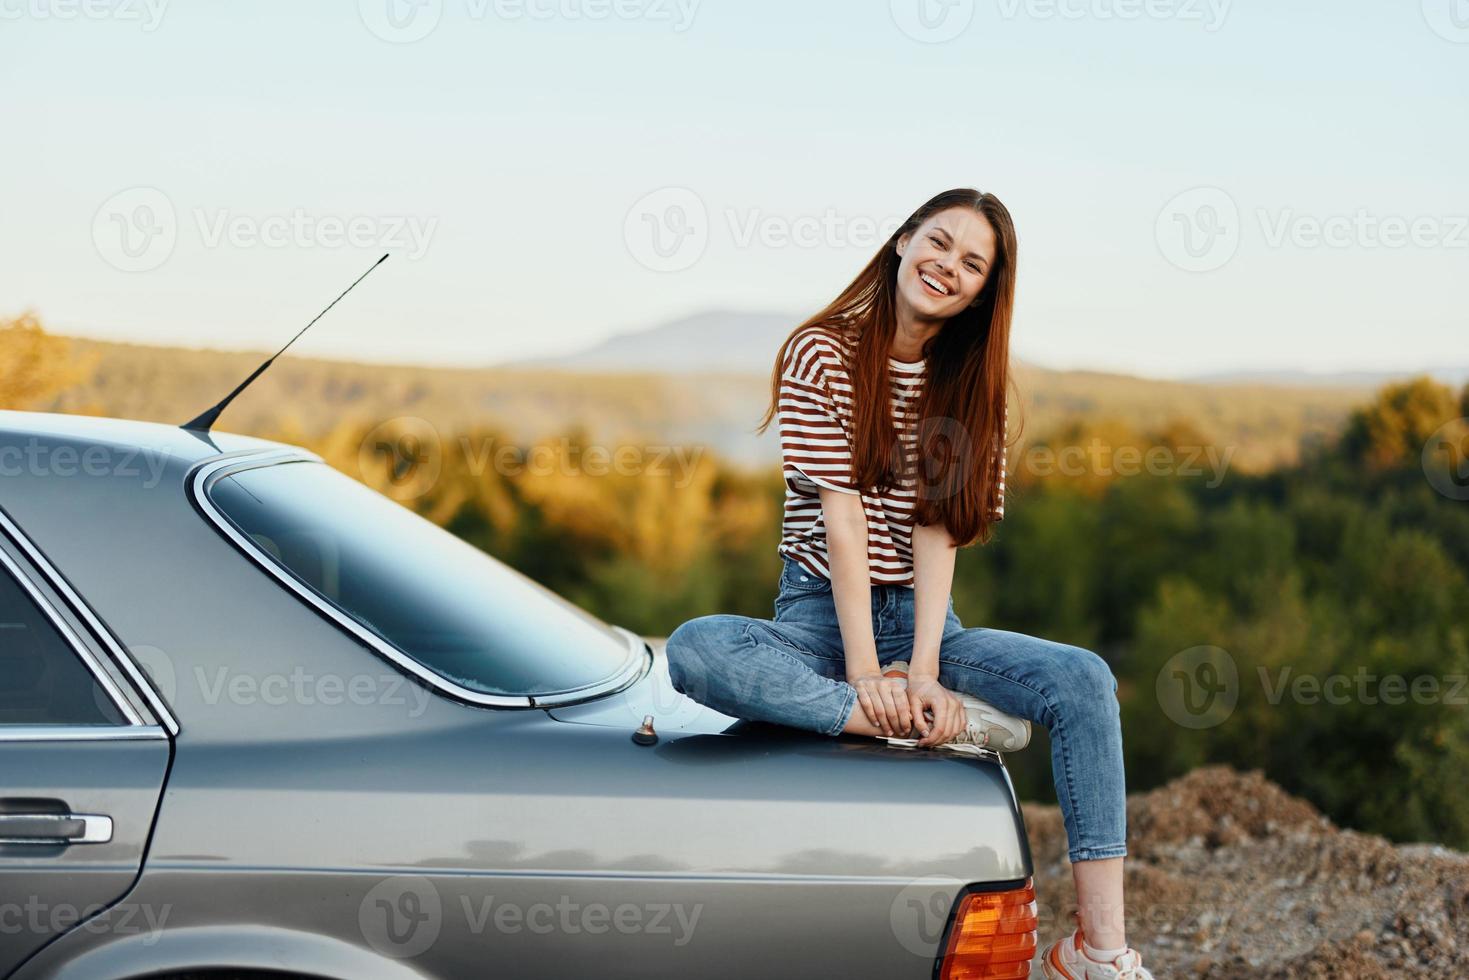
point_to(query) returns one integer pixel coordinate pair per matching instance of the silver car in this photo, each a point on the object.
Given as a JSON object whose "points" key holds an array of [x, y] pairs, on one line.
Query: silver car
{"points": [[256, 719]]}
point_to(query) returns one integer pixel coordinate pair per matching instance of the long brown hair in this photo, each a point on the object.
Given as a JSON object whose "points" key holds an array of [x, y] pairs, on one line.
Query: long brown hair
{"points": [[961, 411]]}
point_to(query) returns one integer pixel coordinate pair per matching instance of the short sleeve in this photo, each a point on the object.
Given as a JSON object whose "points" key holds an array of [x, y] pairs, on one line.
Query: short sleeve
{"points": [[813, 439], [997, 491]]}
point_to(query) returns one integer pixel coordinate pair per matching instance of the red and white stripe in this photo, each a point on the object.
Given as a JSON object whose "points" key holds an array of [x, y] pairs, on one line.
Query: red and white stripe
{"points": [[815, 415]]}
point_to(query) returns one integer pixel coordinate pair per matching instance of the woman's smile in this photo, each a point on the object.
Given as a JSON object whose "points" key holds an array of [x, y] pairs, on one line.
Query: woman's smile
{"points": [[935, 284]]}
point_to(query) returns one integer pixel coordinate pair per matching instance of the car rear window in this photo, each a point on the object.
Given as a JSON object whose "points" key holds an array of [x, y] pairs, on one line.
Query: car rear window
{"points": [[461, 613]]}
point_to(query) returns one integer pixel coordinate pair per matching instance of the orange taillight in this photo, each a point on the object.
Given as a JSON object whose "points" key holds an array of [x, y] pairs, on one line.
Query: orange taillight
{"points": [[993, 937]]}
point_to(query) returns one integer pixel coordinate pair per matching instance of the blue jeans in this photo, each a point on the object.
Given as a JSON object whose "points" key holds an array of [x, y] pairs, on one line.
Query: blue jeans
{"points": [[790, 670]]}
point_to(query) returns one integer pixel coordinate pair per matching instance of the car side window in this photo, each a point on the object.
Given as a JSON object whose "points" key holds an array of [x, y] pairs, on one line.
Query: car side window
{"points": [[42, 680]]}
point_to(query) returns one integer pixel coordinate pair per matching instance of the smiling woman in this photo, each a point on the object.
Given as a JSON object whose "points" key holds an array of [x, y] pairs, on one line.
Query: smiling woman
{"points": [[892, 409]]}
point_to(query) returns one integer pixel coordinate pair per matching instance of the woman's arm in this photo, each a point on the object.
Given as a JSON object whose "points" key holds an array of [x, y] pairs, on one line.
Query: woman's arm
{"points": [[882, 700], [933, 578]]}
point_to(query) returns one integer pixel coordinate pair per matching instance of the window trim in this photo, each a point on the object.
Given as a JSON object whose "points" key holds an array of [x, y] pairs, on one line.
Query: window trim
{"points": [[114, 648], [70, 639], [81, 733], [205, 474]]}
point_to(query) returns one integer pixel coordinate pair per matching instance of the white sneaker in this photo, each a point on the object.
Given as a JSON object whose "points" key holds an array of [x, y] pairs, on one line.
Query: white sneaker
{"points": [[988, 728], [1064, 960]]}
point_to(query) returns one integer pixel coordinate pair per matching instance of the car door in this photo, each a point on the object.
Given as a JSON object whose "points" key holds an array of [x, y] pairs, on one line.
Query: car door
{"points": [[82, 764]]}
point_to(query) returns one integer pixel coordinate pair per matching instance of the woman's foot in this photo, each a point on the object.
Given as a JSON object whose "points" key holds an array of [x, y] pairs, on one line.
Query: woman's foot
{"points": [[988, 727], [1067, 959]]}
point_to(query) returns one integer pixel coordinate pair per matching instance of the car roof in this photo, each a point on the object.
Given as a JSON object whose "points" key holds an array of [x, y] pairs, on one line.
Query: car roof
{"points": [[49, 429]]}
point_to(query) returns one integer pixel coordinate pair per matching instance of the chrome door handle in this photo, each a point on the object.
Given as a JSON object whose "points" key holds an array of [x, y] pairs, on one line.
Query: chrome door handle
{"points": [[54, 828]]}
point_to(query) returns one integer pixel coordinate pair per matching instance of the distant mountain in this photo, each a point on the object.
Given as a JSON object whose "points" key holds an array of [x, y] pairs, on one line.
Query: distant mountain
{"points": [[1336, 379], [733, 341], [745, 342]]}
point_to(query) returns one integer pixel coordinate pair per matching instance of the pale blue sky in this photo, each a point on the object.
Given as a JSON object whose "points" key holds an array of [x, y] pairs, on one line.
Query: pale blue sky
{"points": [[508, 159]]}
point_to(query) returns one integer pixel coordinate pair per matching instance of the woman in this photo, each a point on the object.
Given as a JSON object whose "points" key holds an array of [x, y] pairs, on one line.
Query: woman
{"points": [[879, 494]]}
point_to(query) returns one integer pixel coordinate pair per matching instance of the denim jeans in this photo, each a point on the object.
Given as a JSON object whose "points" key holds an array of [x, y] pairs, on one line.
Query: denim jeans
{"points": [[790, 670]]}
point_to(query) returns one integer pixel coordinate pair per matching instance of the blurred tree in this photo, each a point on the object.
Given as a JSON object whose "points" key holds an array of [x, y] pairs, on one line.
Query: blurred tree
{"points": [[1390, 432], [35, 365]]}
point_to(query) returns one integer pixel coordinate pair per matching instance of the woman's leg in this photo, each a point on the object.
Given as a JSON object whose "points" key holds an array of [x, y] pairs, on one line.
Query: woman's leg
{"points": [[788, 673], [1071, 691]]}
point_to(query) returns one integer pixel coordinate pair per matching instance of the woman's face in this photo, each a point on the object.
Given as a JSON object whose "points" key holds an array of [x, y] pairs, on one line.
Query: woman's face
{"points": [[945, 262]]}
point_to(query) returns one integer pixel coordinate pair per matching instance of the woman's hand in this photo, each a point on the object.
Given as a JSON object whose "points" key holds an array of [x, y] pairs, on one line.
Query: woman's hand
{"points": [[927, 698], [885, 701]]}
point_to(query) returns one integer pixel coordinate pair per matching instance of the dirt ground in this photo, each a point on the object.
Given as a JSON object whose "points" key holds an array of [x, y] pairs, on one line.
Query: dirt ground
{"points": [[1229, 877]]}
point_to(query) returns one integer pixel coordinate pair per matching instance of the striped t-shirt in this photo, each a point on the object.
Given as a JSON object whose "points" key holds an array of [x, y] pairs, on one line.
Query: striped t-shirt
{"points": [[815, 412]]}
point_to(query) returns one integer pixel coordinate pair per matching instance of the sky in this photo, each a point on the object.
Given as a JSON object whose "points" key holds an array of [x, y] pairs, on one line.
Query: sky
{"points": [[1198, 185]]}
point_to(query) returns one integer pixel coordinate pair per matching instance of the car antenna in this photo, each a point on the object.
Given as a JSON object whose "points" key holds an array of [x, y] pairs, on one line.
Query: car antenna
{"points": [[207, 419]]}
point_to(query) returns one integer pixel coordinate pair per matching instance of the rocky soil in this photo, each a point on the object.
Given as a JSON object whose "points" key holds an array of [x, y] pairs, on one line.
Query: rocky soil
{"points": [[1229, 877]]}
